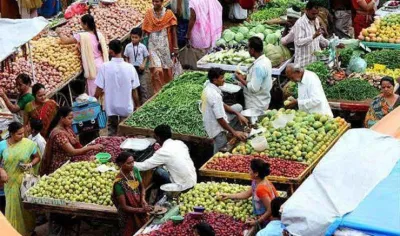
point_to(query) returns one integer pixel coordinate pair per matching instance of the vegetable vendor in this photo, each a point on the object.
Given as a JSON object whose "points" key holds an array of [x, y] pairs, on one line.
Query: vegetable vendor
{"points": [[128, 196], [308, 36], [261, 191], [174, 156], [257, 84], [215, 119], [311, 95], [383, 104], [293, 14], [118, 81], [23, 84], [62, 143]]}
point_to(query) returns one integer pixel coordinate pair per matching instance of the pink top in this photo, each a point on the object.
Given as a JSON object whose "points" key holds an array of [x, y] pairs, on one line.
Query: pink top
{"points": [[98, 57], [208, 26]]}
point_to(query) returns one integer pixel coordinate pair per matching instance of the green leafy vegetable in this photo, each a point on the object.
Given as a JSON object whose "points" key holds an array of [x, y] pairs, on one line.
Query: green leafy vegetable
{"points": [[176, 105], [388, 57]]}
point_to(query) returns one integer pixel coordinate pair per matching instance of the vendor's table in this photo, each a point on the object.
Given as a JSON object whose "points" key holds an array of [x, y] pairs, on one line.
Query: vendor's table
{"points": [[275, 71], [382, 45], [352, 106], [292, 183], [107, 215]]}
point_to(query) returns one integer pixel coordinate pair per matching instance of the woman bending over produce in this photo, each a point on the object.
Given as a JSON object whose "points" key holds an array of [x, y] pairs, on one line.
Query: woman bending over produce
{"points": [[23, 83], [93, 49], [41, 108], [160, 25], [129, 196], [262, 192], [17, 155], [62, 143], [383, 104]]}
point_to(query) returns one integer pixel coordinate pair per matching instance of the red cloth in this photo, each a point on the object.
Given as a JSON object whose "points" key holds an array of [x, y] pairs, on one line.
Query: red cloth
{"points": [[361, 22]]}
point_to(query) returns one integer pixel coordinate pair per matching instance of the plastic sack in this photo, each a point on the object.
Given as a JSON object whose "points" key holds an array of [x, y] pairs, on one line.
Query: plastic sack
{"points": [[75, 9], [282, 120], [28, 181], [356, 65], [177, 70]]}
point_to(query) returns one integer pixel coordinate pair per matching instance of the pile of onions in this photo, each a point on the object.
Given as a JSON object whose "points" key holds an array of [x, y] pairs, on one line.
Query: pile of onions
{"points": [[45, 74], [112, 21]]}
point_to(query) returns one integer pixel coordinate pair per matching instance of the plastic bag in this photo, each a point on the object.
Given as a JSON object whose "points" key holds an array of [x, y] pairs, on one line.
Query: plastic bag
{"points": [[189, 57], [282, 120], [76, 8], [177, 70], [28, 181], [357, 65]]}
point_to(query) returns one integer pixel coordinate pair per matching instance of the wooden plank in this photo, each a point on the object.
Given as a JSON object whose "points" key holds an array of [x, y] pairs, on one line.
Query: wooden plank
{"points": [[87, 211], [275, 179]]}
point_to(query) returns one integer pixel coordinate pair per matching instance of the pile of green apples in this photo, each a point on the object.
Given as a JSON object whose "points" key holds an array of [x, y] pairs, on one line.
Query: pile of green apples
{"points": [[207, 195], [77, 182]]}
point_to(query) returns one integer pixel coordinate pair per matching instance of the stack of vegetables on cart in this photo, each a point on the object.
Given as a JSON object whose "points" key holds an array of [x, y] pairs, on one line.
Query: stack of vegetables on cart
{"points": [[80, 182], [295, 140], [385, 30]]}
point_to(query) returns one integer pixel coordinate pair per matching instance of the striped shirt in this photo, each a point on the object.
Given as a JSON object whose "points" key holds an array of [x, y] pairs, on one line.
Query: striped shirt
{"points": [[305, 45]]}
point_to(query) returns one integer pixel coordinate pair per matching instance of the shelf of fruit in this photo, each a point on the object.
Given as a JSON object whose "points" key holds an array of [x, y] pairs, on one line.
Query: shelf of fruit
{"points": [[293, 150], [383, 33], [77, 184]]}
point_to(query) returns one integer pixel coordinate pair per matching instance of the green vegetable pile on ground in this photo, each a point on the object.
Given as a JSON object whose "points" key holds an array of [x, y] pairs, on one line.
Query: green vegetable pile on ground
{"points": [[388, 57], [176, 105], [354, 89]]}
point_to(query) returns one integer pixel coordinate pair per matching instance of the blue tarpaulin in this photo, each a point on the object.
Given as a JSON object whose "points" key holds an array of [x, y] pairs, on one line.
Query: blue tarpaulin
{"points": [[379, 213]]}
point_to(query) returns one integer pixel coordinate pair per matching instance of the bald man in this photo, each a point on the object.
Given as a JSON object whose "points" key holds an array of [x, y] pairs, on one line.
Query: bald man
{"points": [[311, 97]]}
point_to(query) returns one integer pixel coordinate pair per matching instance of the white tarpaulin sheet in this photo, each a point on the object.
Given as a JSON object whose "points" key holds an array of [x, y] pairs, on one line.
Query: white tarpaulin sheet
{"points": [[14, 33], [343, 178]]}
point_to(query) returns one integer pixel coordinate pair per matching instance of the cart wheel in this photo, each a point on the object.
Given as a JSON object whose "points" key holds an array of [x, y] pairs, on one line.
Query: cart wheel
{"points": [[61, 99]]}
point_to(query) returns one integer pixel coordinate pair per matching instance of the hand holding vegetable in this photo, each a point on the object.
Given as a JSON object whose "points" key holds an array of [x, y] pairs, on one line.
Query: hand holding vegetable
{"points": [[97, 147], [243, 120], [251, 222], [240, 135]]}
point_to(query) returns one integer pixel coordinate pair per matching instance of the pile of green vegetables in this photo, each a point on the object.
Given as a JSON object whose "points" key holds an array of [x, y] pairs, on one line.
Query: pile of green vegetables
{"points": [[348, 89], [388, 57], [346, 54], [275, 9], [175, 105], [230, 57]]}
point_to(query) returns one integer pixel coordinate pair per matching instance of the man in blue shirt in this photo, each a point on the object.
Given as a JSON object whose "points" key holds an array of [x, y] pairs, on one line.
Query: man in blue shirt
{"points": [[275, 226]]}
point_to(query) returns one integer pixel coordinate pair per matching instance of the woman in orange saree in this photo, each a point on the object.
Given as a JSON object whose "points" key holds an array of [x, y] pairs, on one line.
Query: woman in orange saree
{"points": [[160, 25], [41, 109]]}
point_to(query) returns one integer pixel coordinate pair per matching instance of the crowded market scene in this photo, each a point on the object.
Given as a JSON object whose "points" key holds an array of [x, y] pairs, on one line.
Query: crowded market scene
{"points": [[200, 117]]}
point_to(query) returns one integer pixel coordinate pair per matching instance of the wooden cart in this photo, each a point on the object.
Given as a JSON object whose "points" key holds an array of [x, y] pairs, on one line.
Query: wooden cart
{"points": [[291, 183]]}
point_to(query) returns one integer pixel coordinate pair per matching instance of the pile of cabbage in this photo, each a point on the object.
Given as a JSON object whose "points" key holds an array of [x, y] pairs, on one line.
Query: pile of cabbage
{"points": [[269, 34]]}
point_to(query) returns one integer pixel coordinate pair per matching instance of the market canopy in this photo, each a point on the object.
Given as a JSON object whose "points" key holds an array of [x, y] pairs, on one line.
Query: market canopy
{"points": [[349, 172], [379, 213], [15, 33]]}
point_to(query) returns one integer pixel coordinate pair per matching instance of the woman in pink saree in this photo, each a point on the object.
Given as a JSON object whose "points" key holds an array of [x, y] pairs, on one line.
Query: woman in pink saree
{"points": [[205, 24]]}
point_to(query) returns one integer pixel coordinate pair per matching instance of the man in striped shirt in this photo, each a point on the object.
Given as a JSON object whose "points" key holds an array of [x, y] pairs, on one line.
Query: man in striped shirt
{"points": [[308, 37]]}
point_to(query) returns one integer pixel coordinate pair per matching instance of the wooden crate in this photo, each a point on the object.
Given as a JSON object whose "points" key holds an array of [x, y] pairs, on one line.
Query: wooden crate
{"points": [[275, 179]]}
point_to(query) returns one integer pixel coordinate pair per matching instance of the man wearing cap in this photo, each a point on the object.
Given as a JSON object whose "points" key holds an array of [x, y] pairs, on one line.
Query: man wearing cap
{"points": [[293, 14], [311, 95]]}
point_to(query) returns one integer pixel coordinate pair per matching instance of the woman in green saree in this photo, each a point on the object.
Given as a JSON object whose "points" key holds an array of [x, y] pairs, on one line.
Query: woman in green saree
{"points": [[129, 196], [17, 155]]}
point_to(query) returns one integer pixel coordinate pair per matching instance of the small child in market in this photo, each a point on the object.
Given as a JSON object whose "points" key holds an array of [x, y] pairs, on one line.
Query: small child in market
{"points": [[275, 226], [137, 54], [36, 127]]}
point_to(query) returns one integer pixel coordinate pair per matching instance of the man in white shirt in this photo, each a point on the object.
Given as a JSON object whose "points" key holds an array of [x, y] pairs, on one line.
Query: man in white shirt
{"points": [[216, 121], [36, 127], [118, 81], [292, 14], [257, 84], [174, 156], [311, 95], [308, 37]]}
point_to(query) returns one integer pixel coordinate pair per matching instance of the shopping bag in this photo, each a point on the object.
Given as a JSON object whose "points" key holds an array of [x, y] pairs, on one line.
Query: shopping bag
{"points": [[28, 181], [177, 70], [189, 56]]}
